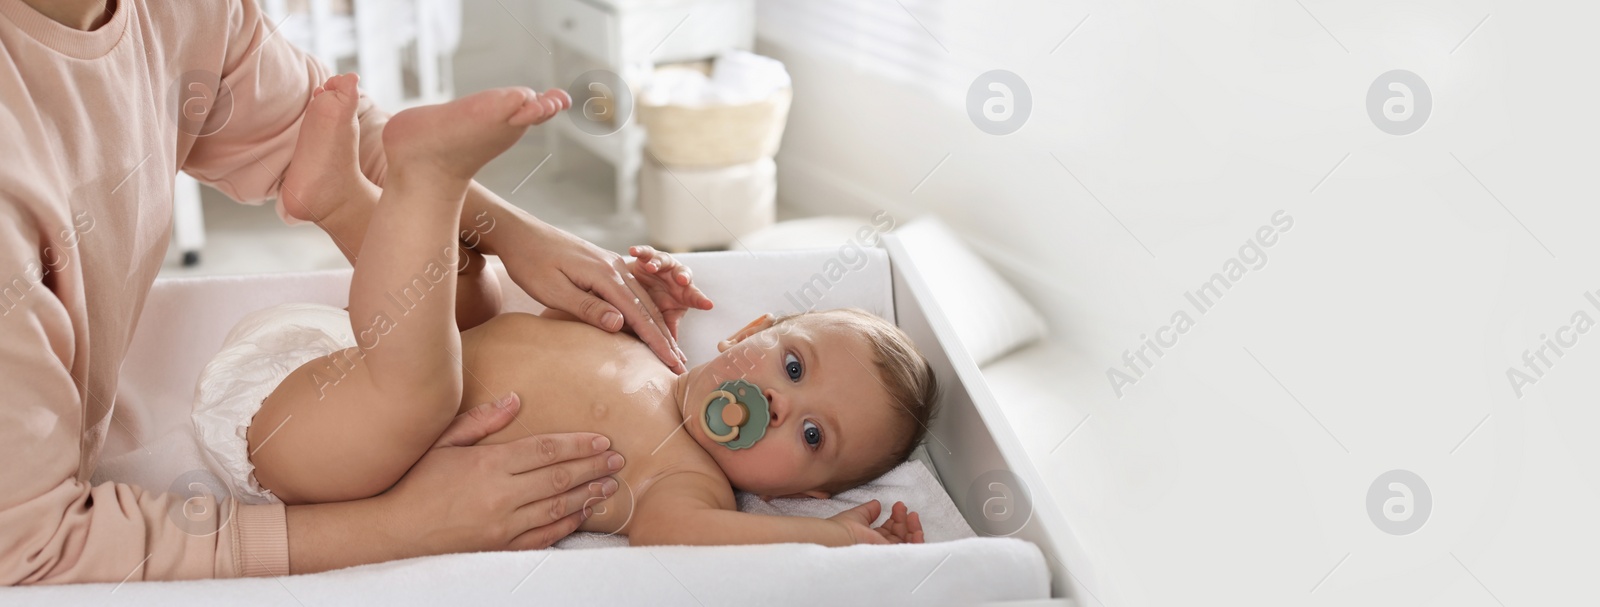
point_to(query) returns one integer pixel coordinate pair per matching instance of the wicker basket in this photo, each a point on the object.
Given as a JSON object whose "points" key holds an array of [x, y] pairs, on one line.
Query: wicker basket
{"points": [[693, 208], [715, 135]]}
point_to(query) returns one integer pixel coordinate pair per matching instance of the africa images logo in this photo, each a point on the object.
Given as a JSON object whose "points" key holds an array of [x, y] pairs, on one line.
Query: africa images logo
{"points": [[1252, 255]]}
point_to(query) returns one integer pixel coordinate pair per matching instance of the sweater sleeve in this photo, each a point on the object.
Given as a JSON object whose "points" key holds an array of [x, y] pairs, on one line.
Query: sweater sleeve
{"points": [[54, 527], [243, 148]]}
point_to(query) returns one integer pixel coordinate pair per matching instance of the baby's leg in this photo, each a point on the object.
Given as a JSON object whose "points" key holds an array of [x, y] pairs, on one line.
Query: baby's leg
{"points": [[324, 185], [350, 424]]}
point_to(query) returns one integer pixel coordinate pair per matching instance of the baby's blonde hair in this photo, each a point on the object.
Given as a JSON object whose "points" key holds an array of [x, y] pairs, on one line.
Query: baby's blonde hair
{"points": [[903, 371]]}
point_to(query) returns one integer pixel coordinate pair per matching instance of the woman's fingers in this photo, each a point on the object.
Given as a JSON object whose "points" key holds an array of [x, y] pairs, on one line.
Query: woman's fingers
{"points": [[574, 501], [539, 538], [536, 452], [642, 299], [592, 309], [641, 313], [672, 318], [559, 478], [480, 421], [612, 306]]}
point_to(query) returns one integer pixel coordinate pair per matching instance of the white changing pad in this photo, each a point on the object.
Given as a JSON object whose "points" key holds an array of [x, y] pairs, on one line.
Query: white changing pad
{"points": [[953, 568], [910, 482], [964, 572]]}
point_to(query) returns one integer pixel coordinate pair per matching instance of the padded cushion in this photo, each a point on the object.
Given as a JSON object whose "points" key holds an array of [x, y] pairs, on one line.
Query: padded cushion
{"points": [[989, 316], [807, 233]]}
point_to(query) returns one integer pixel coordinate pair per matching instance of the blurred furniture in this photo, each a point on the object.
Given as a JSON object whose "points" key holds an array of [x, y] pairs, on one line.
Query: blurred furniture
{"points": [[710, 176], [401, 48], [188, 223], [715, 134], [628, 37], [686, 209]]}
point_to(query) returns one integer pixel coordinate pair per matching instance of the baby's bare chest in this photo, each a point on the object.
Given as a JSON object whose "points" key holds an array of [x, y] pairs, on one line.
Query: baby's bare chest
{"points": [[572, 381], [576, 381]]}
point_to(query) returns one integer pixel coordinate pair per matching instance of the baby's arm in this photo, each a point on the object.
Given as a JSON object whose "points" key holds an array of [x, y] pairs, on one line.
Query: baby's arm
{"points": [[695, 509]]}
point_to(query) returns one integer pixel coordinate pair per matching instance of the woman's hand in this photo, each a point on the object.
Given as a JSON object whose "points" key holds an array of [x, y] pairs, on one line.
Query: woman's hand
{"points": [[903, 527], [570, 274], [524, 494], [669, 283]]}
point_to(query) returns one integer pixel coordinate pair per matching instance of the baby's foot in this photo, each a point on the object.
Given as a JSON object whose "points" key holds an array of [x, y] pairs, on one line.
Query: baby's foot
{"points": [[456, 139], [325, 166]]}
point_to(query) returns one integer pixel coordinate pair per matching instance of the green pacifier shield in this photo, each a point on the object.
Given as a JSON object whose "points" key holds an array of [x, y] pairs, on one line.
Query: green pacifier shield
{"points": [[755, 421]]}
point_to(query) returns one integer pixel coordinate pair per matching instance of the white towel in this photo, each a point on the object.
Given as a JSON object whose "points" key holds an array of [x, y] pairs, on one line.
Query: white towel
{"points": [[910, 482], [737, 78], [963, 572]]}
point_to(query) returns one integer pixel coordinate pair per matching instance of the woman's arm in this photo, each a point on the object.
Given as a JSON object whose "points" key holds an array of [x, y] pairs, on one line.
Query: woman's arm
{"points": [[56, 527], [568, 273], [460, 497]]}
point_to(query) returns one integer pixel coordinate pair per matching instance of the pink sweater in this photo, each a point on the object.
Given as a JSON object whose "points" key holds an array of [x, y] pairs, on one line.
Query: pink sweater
{"points": [[93, 137]]}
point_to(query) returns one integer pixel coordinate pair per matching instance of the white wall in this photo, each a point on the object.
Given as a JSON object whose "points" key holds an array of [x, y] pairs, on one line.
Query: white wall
{"points": [[1413, 277]]}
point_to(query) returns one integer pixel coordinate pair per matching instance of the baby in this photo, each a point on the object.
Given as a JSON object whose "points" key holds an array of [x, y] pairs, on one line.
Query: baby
{"points": [[324, 406]]}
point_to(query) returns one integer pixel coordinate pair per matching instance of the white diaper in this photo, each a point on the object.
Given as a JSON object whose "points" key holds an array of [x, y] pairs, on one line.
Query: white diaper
{"points": [[256, 356]]}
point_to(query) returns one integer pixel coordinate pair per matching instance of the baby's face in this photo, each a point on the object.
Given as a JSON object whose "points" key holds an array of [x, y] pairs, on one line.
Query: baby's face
{"points": [[830, 414]]}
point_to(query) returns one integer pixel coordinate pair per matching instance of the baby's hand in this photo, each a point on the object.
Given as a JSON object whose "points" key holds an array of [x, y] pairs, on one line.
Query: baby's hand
{"points": [[669, 283], [903, 527]]}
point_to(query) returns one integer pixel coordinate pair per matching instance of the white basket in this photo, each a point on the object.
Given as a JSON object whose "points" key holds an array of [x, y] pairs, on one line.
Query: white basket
{"points": [[715, 135], [691, 208]]}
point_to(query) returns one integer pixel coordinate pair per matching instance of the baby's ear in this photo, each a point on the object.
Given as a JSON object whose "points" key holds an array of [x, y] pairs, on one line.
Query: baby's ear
{"points": [[756, 326]]}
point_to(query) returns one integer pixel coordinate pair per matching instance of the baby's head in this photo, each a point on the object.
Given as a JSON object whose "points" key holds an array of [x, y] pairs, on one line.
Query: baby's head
{"points": [[849, 394]]}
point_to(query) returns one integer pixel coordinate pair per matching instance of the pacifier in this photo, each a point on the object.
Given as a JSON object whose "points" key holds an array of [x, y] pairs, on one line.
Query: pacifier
{"points": [[735, 415]]}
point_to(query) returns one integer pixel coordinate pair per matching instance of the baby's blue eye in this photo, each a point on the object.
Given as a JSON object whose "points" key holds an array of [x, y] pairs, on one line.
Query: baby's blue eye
{"points": [[812, 433], [791, 365]]}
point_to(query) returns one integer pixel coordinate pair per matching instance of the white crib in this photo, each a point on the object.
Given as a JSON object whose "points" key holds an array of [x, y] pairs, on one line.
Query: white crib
{"points": [[402, 48]]}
